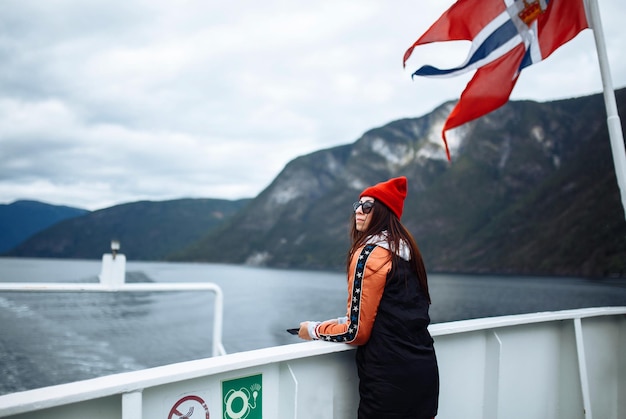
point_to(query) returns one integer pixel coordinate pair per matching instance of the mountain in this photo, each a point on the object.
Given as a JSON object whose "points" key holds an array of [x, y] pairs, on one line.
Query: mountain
{"points": [[146, 230], [531, 190], [22, 219]]}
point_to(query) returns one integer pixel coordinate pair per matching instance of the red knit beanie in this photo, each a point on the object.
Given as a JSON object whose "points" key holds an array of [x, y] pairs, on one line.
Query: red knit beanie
{"points": [[390, 193]]}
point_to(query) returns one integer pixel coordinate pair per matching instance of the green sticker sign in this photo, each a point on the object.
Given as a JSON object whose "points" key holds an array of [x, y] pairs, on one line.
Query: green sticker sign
{"points": [[242, 398]]}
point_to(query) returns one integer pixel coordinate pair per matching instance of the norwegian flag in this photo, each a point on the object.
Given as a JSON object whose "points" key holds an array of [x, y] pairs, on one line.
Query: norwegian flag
{"points": [[506, 36]]}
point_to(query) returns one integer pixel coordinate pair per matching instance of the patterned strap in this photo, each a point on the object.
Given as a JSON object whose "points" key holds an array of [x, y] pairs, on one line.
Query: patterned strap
{"points": [[355, 304]]}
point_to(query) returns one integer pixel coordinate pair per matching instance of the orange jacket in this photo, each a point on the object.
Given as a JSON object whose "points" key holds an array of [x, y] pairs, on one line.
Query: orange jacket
{"points": [[366, 282]]}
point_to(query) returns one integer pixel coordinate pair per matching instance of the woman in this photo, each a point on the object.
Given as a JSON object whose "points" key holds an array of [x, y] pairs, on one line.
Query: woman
{"points": [[387, 311]]}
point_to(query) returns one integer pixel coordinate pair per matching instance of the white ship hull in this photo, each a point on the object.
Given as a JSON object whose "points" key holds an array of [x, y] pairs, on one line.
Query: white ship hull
{"points": [[554, 365]]}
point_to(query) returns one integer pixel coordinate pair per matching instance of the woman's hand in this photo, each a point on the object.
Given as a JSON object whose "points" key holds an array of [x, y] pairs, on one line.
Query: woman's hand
{"points": [[303, 333]]}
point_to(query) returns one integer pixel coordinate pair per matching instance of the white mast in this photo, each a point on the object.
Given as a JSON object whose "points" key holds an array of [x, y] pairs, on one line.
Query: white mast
{"points": [[613, 121]]}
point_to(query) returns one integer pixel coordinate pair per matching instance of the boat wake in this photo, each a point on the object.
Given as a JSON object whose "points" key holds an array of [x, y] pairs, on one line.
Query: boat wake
{"points": [[37, 351]]}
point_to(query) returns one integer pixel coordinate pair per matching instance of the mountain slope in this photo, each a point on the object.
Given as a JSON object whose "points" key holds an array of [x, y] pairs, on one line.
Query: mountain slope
{"points": [[531, 190], [147, 230], [22, 219]]}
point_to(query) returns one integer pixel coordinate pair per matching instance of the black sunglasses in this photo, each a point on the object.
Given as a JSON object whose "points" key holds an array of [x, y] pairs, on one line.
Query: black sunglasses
{"points": [[366, 206]]}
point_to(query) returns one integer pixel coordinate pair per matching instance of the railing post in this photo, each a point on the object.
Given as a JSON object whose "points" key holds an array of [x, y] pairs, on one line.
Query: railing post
{"points": [[582, 367], [218, 310], [493, 358], [132, 405]]}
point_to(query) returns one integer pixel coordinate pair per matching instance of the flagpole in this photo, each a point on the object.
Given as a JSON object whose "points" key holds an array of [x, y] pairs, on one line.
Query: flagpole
{"points": [[612, 117]]}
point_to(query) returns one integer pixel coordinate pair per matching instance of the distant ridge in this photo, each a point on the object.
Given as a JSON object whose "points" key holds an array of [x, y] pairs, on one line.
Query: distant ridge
{"points": [[21, 219], [147, 230]]}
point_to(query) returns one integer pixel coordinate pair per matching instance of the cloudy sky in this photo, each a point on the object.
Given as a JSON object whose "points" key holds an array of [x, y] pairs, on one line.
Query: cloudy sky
{"points": [[111, 101]]}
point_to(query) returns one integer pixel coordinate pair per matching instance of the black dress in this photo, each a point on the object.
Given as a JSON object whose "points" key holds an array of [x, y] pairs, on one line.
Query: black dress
{"points": [[398, 373]]}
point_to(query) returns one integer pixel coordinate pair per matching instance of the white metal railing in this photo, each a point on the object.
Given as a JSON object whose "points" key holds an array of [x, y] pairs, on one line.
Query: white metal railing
{"points": [[217, 346], [531, 365], [585, 350], [112, 279]]}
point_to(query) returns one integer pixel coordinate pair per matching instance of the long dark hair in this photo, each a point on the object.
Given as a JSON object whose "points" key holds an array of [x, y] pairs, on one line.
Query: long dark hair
{"points": [[382, 219]]}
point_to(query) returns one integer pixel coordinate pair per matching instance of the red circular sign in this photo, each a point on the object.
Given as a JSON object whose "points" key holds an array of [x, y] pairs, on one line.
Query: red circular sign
{"points": [[188, 404]]}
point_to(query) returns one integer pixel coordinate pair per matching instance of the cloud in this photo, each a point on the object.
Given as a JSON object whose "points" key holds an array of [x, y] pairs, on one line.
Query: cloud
{"points": [[117, 101]]}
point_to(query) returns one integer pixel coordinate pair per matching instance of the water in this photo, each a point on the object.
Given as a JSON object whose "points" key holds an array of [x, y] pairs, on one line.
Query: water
{"points": [[54, 338]]}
